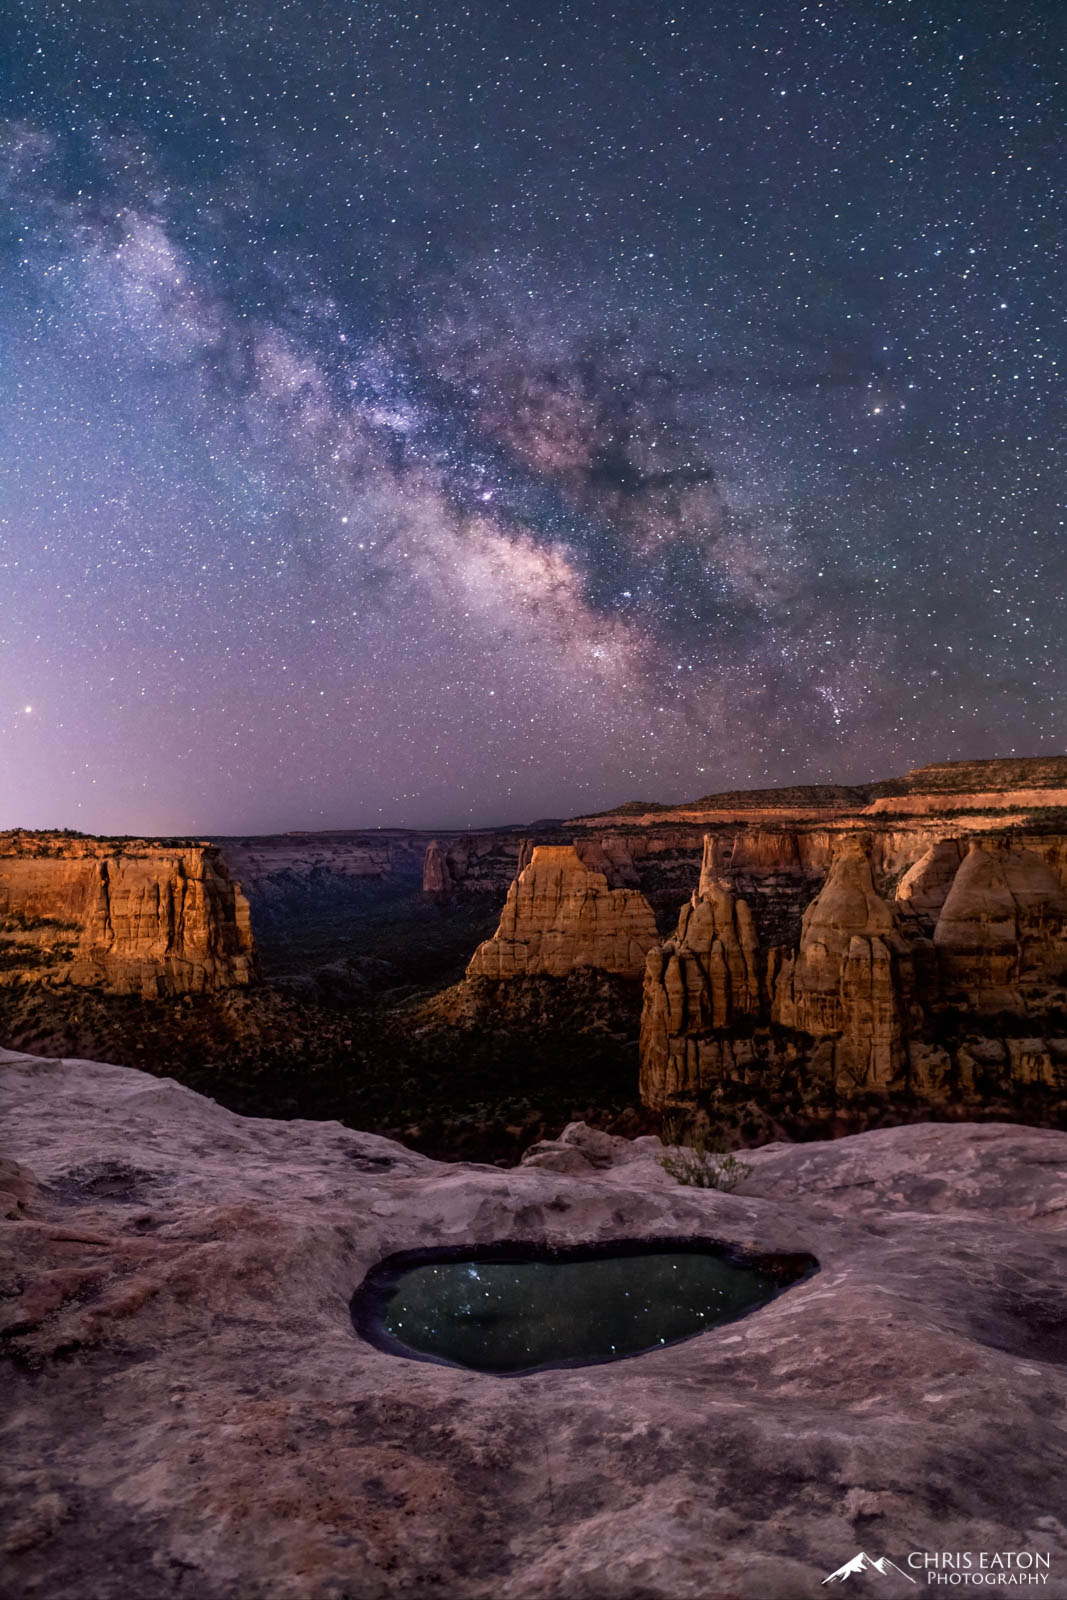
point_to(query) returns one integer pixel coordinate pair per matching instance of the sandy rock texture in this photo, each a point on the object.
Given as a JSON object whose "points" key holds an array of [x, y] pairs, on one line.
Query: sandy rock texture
{"points": [[851, 978], [124, 916], [478, 862], [187, 1410], [561, 915], [890, 993], [1003, 925]]}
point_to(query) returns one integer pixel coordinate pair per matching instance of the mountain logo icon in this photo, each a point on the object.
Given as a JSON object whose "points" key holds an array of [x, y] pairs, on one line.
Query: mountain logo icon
{"points": [[865, 1563]]}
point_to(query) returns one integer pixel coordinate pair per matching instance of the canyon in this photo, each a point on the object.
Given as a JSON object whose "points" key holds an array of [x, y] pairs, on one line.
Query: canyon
{"points": [[830, 954], [238, 1076], [769, 963]]}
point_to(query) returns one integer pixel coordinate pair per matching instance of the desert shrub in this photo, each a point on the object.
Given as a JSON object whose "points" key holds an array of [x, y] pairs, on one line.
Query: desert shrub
{"points": [[16, 957], [15, 920], [704, 1163]]}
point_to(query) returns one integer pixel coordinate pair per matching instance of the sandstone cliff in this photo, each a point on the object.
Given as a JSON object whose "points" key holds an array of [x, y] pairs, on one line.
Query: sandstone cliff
{"points": [[924, 887], [261, 863], [436, 872], [1016, 783], [475, 863], [1002, 929], [561, 915], [698, 986], [851, 979], [360, 863], [820, 959], [124, 916], [881, 993], [846, 987]]}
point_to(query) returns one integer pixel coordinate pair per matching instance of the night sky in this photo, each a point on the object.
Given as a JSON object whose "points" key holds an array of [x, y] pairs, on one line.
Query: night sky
{"points": [[482, 413]]}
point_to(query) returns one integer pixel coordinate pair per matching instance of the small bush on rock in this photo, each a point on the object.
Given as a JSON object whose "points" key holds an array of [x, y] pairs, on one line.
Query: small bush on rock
{"points": [[704, 1164]]}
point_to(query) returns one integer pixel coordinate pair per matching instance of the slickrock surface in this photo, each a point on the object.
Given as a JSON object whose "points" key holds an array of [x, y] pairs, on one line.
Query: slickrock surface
{"points": [[561, 915], [189, 1412], [129, 916]]}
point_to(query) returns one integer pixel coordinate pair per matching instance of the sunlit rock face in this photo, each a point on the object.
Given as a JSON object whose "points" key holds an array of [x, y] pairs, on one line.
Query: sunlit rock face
{"points": [[1021, 785], [924, 887], [1002, 929], [1016, 783], [705, 981], [848, 984], [190, 1410], [886, 991], [560, 916], [123, 916], [851, 977]]}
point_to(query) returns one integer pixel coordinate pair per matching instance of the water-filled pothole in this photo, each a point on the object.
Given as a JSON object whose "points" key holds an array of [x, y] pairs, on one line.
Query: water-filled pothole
{"points": [[510, 1309]]}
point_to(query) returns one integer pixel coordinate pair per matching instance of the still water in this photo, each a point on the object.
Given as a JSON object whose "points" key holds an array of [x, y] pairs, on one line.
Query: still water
{"points": [[511, 1316]]}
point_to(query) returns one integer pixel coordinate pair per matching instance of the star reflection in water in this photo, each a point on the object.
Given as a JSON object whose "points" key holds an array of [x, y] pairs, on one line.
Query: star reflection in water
{"points": [[516, 1315]]}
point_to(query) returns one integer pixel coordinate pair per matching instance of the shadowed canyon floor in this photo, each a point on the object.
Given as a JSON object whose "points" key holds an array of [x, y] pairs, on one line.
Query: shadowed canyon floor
{"points": [[190, 1410]]}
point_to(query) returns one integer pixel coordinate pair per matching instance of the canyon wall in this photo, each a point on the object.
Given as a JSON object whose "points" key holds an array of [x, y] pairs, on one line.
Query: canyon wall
{"points": [[798, 946], [826, 952], [663, 863], [128, 916], [441, 863], [473, 863], [949, 983], [777, 853], [260, 864]]}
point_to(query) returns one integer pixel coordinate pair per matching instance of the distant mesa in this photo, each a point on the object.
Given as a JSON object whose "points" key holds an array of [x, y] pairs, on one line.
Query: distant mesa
{"points": [[635, 808], [1011, 783]]}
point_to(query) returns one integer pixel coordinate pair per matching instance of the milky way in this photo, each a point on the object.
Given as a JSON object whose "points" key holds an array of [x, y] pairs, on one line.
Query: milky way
{"points": [[483, 413]]}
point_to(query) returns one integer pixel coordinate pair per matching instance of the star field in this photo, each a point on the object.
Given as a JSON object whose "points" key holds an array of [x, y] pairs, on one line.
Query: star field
{"points": [[468, 414]]}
